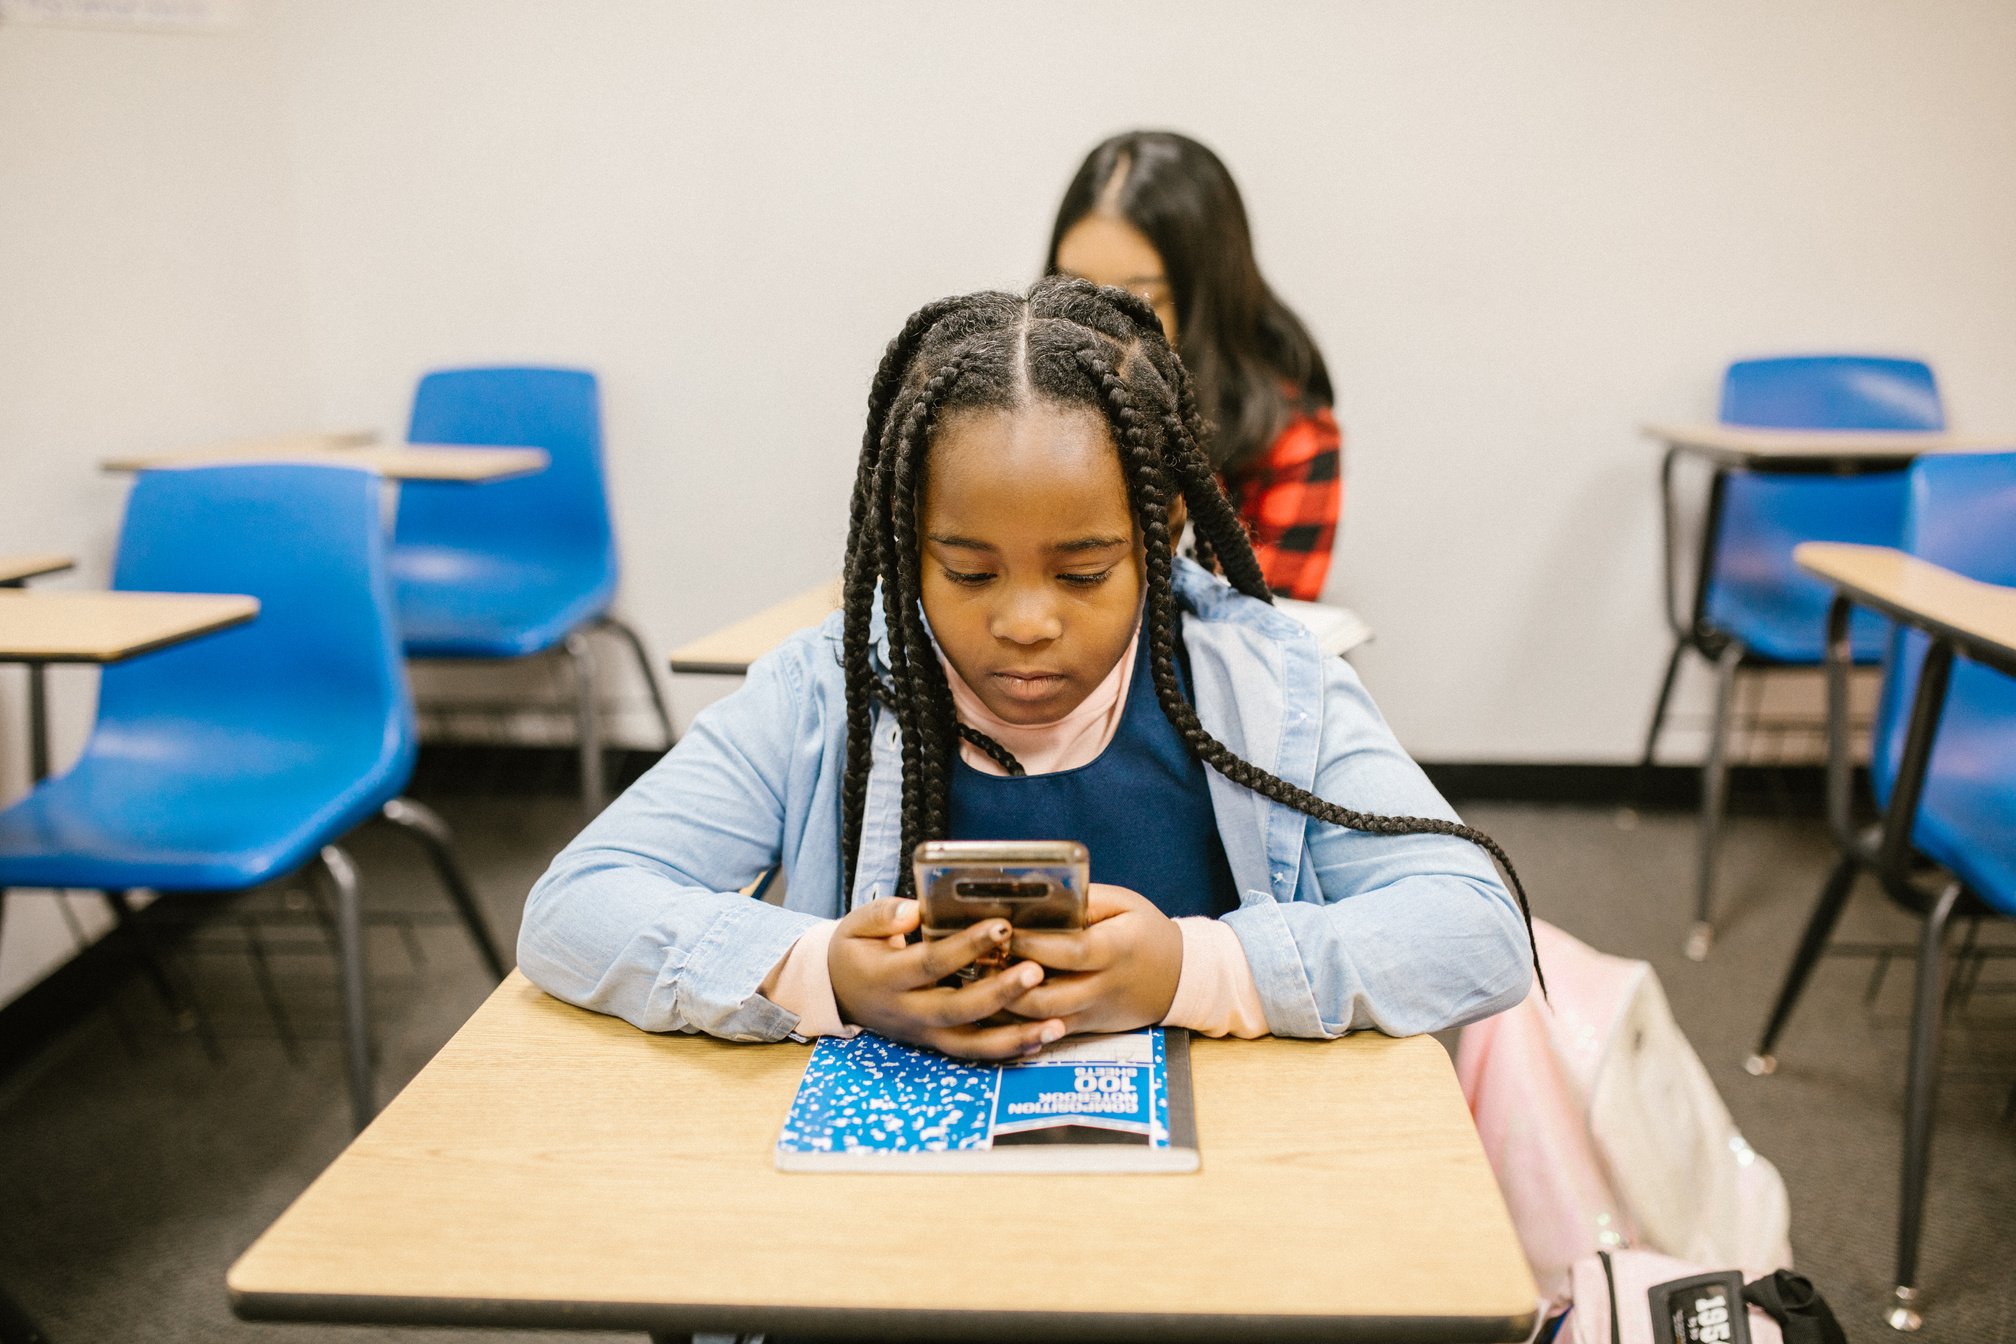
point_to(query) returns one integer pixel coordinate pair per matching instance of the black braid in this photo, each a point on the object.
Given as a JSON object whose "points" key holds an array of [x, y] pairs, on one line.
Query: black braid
{"points": [[1146, 489], [1069, 343], [1000, 754], [861, 570]]}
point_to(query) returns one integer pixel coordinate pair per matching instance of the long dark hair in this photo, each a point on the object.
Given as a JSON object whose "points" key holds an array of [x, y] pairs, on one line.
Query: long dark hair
{"points": [[1240, 343], [1070, 344]]}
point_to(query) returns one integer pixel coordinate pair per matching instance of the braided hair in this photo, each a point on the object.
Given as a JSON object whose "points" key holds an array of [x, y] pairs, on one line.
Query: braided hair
{"points": [[1069, 343]]}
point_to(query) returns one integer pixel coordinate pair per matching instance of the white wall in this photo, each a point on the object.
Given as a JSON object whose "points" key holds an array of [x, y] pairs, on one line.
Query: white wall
{"points": [[1518, 230], [149, 296]]}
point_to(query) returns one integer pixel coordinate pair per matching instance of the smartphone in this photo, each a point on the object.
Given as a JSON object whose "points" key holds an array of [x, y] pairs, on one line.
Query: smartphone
{"points": [[1033, 884]]}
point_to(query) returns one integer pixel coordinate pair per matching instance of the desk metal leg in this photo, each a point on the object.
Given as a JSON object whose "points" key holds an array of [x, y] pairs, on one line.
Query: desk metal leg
{"points": [[38, 723], [1920, 1093], [594, 792], [1659, 705], [1714, 802], [1826, 914]]}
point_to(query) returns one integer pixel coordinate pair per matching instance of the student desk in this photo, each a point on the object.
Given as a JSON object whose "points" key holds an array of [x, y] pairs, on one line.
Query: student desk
{"points": [[729, 650], [1973, 619], [101, 627], [1744, 447], [555, 1168], [16, 570], [396, 461], [1728, 448], [1962, 618]]}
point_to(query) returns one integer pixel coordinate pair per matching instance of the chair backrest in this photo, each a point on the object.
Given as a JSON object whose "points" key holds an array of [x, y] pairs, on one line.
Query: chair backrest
{"points": [[319, 665], [1832, 392], [560, 514], [1753, 589], [1962, 517]]}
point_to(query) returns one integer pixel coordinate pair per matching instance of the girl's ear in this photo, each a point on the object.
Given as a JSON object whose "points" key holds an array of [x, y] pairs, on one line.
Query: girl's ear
{"points": [[1179, 517]]}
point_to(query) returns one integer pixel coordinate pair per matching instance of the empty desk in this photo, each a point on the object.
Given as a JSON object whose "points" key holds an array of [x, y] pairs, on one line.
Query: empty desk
{"points": [[16, 570], [100, 627], [395, 461]]}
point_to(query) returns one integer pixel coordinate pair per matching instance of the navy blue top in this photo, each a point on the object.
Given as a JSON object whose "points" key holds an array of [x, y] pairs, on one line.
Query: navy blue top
{"points": [[1141, 807]]}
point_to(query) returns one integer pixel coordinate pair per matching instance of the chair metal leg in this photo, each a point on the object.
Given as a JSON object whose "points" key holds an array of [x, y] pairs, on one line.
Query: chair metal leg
{"points": [[587, 724], [1826, 914], [341, 874], [631, 638], [1659, 705], [1927, 1017], [1963, 957], [38, 723], [183, 1008], [1714, 801], [426, 826]]}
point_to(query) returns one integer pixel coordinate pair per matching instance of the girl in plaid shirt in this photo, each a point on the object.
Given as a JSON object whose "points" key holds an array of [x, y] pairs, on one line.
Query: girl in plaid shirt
{"points": [[1158, 214]]}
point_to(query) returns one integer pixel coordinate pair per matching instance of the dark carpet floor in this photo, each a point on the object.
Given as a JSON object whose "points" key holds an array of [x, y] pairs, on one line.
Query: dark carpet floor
{"points": [[133, 1169]]}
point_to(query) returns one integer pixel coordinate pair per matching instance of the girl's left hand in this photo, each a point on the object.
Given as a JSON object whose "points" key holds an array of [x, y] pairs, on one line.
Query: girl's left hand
{"points": [[1117, 973]]}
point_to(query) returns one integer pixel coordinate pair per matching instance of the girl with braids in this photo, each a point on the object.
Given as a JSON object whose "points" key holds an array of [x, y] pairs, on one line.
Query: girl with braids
{"points": [[1158, 214], [1021, 654]]}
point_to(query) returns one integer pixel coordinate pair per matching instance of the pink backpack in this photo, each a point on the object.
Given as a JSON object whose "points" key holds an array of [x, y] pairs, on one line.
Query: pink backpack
{"points": [[1642, 1297], [1606, 1133]]}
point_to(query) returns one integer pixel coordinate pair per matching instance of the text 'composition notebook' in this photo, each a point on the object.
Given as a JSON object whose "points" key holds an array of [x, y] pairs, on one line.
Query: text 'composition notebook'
{"points": [[1088, 1103]]}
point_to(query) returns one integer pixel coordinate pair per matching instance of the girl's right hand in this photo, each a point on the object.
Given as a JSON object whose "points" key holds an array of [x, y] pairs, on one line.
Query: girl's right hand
{"points": [[889, 985]]}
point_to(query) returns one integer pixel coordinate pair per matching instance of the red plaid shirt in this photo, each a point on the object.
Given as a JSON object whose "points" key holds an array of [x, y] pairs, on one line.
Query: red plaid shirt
{"points": [[1290, 499]]}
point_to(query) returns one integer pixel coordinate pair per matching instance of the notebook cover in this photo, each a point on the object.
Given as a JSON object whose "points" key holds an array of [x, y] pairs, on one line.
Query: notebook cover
{"points": [[1110, 1103]]}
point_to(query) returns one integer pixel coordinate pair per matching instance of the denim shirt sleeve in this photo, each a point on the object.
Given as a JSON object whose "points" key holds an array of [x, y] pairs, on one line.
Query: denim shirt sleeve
{"points": [[642, 916], [1401, 934]]}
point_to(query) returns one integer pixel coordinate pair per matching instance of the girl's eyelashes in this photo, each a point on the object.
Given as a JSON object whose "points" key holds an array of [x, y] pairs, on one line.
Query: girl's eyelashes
{"points": [[972, 579]]}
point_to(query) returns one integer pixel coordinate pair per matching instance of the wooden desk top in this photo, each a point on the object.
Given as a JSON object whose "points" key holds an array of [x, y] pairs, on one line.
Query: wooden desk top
{"points": [[730, 650], [1979, 618], [1744, 446], [107, 627], [553, 1167], [18, 568], [398, 461]]}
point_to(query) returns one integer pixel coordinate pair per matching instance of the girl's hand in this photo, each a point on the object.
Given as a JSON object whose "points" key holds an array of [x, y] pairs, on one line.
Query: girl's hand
{"points": [[1118, 973], [889, 985]]}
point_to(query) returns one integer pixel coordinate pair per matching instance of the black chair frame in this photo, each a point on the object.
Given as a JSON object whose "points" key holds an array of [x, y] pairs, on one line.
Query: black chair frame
{"points": [[1911, 881], [1726, 654]]}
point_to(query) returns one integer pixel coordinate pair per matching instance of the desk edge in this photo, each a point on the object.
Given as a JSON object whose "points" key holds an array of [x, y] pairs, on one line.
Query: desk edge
{"points": [[703, 668], [893, 1323], [134, 651], [1990, 653]]}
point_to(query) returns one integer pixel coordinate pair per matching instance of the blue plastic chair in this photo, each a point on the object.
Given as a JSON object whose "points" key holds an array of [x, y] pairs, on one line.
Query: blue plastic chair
{"points": [[1962, 516], [1753, 608], [515, 567], [243, 756]]}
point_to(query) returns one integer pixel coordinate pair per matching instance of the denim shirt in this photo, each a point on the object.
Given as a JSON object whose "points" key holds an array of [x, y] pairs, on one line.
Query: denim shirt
{"points": [[642, 916]]}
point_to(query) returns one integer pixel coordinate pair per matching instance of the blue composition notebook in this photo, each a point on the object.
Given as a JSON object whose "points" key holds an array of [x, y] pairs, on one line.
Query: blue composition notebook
{"points": [[1088, 1103]]}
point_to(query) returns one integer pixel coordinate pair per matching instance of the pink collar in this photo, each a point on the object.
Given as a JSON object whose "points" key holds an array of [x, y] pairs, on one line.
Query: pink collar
{"points": [[1044, 748]]}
